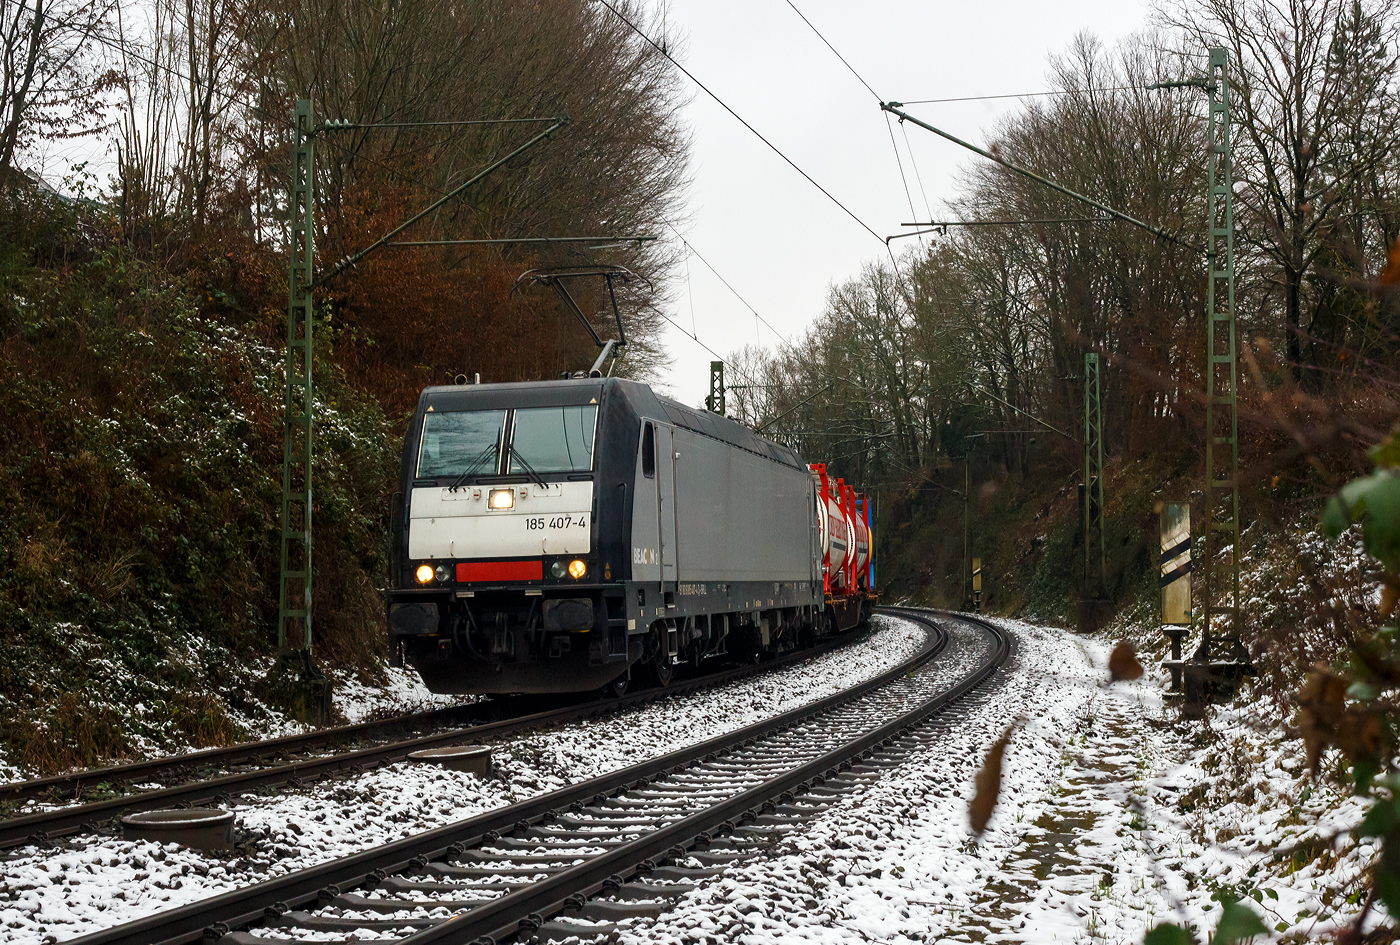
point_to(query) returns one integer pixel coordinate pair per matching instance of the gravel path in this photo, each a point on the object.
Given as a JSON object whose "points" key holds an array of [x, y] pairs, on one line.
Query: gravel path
{"points": [[898, 863]]}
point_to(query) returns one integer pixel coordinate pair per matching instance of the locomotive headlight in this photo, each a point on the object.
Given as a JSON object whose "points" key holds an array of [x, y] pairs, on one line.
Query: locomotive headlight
{"points": [[501, 499], [557, 569], [577, 568], [442, 572], [424, 574]]}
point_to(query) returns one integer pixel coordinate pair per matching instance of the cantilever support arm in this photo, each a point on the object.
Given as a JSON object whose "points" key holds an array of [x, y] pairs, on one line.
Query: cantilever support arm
{"points": [[894, 109], [354, 260]]}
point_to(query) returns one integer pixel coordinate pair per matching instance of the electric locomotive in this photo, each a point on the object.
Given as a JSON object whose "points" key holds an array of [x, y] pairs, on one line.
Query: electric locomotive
{"points": [[565, 536]]}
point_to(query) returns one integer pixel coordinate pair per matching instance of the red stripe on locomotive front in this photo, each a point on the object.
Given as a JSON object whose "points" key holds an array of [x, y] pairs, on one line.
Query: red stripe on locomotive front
{"points": [[500, 570]]}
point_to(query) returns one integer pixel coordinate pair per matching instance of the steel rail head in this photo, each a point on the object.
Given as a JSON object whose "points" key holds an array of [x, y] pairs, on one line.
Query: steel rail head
{"points": [[21, 790], [186, 924], [500, 918], [66, 820]]}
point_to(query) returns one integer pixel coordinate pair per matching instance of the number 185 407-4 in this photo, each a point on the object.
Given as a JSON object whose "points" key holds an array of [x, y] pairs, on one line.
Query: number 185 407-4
{"points": [[540, 522]]}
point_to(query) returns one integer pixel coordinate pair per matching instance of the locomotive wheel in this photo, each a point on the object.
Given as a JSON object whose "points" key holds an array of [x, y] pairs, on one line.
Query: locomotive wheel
{"points": [[661, 670]]}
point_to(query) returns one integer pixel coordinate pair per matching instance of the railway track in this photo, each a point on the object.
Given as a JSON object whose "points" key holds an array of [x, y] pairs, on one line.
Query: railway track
{"points": [[76, 783], [567, 863], [48, 825]]}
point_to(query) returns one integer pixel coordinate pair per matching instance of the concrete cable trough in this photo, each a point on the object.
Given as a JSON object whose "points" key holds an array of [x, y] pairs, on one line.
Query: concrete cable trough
{"points": [[200, 827]]}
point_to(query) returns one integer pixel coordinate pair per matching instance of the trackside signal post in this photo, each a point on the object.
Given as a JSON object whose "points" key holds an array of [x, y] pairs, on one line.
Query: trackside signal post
{"points": [[1175, 579], [715, 401]]}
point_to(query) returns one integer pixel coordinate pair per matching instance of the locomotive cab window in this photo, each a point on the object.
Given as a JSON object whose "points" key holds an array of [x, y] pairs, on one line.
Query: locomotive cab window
{"points": [[649, 452], [458, 442], [553, 439]]}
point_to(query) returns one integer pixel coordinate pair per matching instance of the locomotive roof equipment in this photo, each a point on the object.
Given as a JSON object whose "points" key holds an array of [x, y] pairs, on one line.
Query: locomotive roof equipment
{"points": [[555, 279]]}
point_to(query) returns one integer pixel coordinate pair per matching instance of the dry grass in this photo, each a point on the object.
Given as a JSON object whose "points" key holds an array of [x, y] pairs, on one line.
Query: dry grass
{"points": [[67, 732]]}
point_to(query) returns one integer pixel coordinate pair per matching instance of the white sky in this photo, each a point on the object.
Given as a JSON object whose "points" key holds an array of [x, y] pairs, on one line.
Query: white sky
{"points": [[768, 231]]}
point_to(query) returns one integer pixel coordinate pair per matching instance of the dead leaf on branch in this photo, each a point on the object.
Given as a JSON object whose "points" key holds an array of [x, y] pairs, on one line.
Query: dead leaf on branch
{"points": [[989, 783], [1390, 275], [1321, 702], [1325, 720], [1390, 595], [1123, 663]]}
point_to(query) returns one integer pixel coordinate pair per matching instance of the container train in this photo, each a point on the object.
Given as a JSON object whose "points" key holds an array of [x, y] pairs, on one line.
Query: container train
{"points": [[573, 535]]}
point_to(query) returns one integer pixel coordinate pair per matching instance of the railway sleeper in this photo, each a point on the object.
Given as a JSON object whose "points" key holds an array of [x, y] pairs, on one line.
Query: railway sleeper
{"points": [[400, 885], [572, 928], [544, 835], [355, 902], [454, 871], [314, 922], [618, 818], [745, 837]]}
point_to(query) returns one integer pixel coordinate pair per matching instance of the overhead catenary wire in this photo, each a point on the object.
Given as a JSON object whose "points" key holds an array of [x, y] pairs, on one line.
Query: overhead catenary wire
{"points": [[834, 51], [756, 133], [696, 338], [894, 260], [928, 208], [861, 79], [889, 126], [718, 275]]}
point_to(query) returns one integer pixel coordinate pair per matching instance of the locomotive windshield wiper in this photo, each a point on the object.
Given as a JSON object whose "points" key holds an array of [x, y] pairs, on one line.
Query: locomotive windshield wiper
{"points": [[534, 476], [491, 450]]}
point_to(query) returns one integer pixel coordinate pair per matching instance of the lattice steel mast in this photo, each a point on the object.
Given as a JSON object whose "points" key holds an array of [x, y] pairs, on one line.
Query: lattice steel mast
{"points": [[1093, 482], [1220, 598], [715, 401], [294, 598]]}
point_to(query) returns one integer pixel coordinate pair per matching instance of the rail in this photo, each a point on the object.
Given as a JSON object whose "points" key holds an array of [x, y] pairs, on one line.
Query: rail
{"points": [[62, 821], [762, 764]]}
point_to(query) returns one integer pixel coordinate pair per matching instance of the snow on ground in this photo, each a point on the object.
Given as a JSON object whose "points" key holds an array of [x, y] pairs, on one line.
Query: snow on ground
{"points": [[1113, 816], [51, 895], [402, 691]]}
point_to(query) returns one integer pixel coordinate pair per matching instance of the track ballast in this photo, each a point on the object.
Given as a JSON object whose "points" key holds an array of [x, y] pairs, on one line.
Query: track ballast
{"points": [[528, 868]]}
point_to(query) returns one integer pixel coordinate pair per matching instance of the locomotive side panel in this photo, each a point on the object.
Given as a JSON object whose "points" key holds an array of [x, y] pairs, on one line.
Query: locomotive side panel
{"points": [[645, 540], [741, 517]]}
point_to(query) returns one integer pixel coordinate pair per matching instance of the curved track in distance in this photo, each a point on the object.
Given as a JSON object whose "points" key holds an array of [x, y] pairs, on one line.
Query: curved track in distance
{"points": [[511, 871]]}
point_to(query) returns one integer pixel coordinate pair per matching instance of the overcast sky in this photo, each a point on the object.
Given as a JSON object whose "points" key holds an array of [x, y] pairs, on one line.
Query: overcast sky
{"points": [[768, 231]]}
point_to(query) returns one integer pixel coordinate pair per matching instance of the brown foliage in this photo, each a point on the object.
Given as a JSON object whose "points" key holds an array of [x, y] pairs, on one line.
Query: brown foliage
{"points": [[1390, 275], [989, 783], [1325, 720], [1123, 663], [65, 733]]}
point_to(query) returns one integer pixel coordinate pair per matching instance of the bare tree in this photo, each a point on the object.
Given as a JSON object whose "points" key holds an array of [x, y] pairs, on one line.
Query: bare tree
{"points": [[52, 79], [1311, 79]]}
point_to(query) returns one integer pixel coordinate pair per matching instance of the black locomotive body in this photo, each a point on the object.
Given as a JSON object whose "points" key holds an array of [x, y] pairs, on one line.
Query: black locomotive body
{"points": [[561, 536]]}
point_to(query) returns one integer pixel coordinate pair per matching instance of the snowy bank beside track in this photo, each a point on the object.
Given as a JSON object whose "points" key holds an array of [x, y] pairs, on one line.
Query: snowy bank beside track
{"points": [[1098, 834], [102, 882]]}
